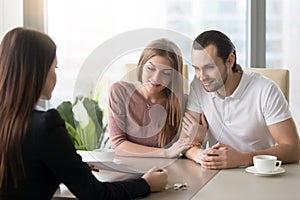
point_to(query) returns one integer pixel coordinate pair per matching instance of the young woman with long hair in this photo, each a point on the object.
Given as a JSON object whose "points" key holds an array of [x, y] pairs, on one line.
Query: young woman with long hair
{"points": [[144, 117], [36, 151]]}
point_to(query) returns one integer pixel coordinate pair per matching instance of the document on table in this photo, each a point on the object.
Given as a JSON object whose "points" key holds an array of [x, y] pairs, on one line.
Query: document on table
{"points": [[113, 166], [106, 161]]}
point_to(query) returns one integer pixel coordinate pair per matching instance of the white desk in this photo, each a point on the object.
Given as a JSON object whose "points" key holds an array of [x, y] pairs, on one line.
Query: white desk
{"points": [[229, 184], [180, 171]]}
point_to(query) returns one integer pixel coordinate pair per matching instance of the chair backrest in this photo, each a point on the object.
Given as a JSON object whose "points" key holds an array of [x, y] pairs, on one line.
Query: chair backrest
{"points": [[131, 74], [279, 76]]}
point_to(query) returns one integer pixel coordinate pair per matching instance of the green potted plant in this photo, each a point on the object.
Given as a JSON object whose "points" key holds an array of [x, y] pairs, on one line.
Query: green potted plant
{"points": [[84, 122]]}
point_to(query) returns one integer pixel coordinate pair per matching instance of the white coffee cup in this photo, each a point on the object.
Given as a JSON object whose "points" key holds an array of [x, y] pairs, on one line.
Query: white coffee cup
{"points": [[266, 163]]}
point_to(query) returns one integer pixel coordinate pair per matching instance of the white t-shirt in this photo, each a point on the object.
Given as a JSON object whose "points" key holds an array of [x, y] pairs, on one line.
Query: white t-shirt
{"points": [[241, 120]]}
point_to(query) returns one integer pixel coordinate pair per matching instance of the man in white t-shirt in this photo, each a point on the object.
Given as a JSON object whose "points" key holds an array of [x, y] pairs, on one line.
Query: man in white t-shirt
{"points": [[246, 113]]}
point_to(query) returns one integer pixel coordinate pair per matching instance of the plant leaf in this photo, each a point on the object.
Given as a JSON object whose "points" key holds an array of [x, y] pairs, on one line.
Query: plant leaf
{"points": [[88, 134], [65, 111], [96, 114], [75, 137]]}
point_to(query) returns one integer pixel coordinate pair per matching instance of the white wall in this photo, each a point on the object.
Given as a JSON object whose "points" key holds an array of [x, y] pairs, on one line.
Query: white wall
{"points": [[11, 15]]}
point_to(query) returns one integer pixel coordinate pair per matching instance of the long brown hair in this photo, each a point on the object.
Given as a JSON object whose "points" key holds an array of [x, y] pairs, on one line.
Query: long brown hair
{"points": [[174, 91], [25, 59]]}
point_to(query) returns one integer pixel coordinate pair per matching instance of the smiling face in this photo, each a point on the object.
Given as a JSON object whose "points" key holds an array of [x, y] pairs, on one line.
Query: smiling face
{"points": [[209, 68], [156, 75]]}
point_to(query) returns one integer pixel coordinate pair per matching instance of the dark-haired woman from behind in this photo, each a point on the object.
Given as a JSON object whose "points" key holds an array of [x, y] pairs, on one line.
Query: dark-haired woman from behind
{"points": [[36, 152]]}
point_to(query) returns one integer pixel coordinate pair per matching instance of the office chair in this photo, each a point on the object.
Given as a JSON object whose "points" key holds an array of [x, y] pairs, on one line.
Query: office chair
{"points": [[279, 76]]}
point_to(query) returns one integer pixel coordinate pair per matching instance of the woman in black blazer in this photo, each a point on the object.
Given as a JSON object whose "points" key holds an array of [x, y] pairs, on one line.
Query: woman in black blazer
{"points": [[36, 151]]}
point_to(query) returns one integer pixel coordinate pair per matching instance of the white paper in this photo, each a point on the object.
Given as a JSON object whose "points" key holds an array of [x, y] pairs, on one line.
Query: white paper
{"points": [[112, 166]]}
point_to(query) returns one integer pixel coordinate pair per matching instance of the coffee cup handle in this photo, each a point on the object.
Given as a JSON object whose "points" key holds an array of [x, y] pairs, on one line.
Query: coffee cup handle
{"points": [[278, 164]]}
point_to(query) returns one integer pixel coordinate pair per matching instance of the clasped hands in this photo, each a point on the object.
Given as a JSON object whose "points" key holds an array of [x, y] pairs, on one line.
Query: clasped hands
{"points": [[221, 156]]}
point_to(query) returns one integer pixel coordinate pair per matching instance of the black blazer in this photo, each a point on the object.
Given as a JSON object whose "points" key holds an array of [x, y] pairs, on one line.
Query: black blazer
{"points": [[50, 158]]}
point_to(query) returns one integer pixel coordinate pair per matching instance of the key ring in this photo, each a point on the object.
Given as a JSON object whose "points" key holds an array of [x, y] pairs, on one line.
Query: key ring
{"points": [[177, 186]]}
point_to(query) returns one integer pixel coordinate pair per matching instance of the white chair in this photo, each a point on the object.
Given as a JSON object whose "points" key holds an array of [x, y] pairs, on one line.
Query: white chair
{"points": [[279, 76]]}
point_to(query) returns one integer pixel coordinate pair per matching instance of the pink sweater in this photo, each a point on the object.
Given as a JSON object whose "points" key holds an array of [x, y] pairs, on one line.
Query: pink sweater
{"points": [[133, 118]]}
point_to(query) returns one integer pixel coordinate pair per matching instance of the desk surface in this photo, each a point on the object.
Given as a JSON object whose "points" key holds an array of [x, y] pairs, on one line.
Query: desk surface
{"points": [[207, 184], [238, 184], [179, 170]]}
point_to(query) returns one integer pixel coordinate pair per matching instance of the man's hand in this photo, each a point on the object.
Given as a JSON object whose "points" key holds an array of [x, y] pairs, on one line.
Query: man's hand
{"points": [[222, 156]]}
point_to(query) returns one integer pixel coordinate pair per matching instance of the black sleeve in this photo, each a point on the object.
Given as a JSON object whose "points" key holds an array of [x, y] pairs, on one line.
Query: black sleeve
{"points": [[59, 154]]}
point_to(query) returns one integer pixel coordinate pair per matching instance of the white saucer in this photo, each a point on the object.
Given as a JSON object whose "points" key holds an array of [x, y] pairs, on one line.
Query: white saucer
{"points": [[252, 169]]}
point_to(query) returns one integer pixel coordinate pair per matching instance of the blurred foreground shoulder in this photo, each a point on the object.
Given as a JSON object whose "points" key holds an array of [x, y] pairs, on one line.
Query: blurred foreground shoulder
{"points": [[48, 119]]}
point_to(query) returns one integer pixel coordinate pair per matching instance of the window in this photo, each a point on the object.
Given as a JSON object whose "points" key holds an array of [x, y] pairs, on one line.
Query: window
{"points": [[11, 15], [282, 49], [78, 27]]}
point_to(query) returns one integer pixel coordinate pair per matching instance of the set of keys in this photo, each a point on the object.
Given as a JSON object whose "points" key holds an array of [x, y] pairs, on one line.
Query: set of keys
{"points": [[178, 186]]}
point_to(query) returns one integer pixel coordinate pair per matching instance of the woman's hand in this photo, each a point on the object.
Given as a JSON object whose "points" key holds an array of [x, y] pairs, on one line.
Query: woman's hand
{"points": [[177, 148], [92, 167], [195, 129], [156, 178]]}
